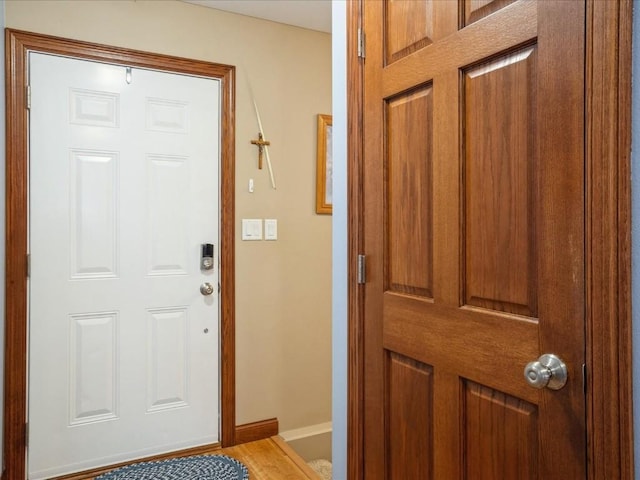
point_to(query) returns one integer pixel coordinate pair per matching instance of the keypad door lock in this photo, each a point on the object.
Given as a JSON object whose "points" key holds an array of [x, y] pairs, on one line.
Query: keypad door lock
{"points": [[206, 257]]}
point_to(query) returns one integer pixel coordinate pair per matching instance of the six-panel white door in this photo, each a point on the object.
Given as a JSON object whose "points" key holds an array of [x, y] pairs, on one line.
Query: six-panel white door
{"points": [[123, 346]]}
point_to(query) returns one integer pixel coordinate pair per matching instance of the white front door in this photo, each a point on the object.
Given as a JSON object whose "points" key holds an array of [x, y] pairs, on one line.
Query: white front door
{"points": [[123, 346]]}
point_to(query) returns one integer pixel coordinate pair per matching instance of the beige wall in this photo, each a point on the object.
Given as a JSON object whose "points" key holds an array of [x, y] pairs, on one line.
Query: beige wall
{"points": [[283, 288]]}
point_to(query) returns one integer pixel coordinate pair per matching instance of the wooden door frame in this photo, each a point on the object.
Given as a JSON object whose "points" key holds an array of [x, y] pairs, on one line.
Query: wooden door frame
{"points": [[608, 241], [18, 45]]}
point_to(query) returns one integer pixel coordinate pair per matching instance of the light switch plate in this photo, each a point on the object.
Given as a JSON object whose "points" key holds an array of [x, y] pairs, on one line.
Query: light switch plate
{"points": [[251, 229], [270, 229]]}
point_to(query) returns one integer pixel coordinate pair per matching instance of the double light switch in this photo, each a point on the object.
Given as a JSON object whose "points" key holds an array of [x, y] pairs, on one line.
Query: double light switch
{"points": [[252, 229]]}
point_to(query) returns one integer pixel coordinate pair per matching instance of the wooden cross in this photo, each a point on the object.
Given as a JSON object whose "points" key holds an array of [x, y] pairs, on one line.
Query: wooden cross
{"points": [[261, 143]]}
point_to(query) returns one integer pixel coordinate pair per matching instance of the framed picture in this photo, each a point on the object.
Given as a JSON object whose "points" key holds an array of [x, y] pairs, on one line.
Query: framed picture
{"points": [[324, 166]]}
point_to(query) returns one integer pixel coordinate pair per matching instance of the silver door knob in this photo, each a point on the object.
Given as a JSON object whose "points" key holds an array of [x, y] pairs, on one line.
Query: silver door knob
{"points": [[548, 371], [206, 289]]}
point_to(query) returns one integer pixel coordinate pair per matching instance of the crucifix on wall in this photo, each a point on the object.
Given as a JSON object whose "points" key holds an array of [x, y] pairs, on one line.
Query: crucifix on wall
{"points": [[261, 143]]}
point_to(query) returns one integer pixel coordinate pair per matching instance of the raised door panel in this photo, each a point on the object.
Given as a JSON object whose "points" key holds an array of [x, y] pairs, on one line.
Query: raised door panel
{"points": [[94, 108], [94, 386], [167, 215], [168, 116], [500, 171], [475, 10], [94, 208], [168, 352], [409, 193], [500, 435], [409, 27], [409, 414]]}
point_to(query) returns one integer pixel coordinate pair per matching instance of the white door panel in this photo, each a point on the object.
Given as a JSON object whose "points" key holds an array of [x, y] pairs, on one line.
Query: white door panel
{"points": [[123, 346]]}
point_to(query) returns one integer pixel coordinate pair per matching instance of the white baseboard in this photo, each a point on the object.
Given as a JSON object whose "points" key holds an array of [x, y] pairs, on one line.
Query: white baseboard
{"points": [[305, 432], [312, 442]]}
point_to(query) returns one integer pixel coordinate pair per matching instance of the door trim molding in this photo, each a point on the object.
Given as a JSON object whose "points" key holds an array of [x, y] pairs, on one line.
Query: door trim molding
{"points": [[18, 44], [608, 323], [608, 230]]}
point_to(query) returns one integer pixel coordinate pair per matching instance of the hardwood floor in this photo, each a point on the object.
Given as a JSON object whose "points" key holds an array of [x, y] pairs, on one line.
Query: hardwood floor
{"points": [[271, 459]]}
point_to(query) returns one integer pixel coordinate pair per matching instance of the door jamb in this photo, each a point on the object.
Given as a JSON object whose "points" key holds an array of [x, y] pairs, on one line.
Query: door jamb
{"points": [[18, 44], [355, 219], [608, 230]]}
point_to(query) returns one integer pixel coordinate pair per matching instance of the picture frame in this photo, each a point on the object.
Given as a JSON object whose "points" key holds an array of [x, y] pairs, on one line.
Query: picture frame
{"points": [[324, 166]]}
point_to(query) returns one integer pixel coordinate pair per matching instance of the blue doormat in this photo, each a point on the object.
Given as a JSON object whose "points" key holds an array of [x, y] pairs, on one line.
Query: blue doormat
{"points": [[202, 467]]}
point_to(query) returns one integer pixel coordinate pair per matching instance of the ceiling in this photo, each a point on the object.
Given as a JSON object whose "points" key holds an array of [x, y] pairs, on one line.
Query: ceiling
{"points": [[311, 14]]}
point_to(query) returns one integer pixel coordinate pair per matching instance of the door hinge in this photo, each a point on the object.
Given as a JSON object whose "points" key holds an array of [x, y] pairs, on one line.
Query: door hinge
{"points": [[28, 97], [361, 43], [28, 265], [26, 434], [362, 269], [584, 378]]}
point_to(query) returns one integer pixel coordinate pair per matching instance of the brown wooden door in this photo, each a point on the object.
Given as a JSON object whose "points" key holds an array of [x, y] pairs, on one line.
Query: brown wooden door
{"points": [[474, 232]]}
